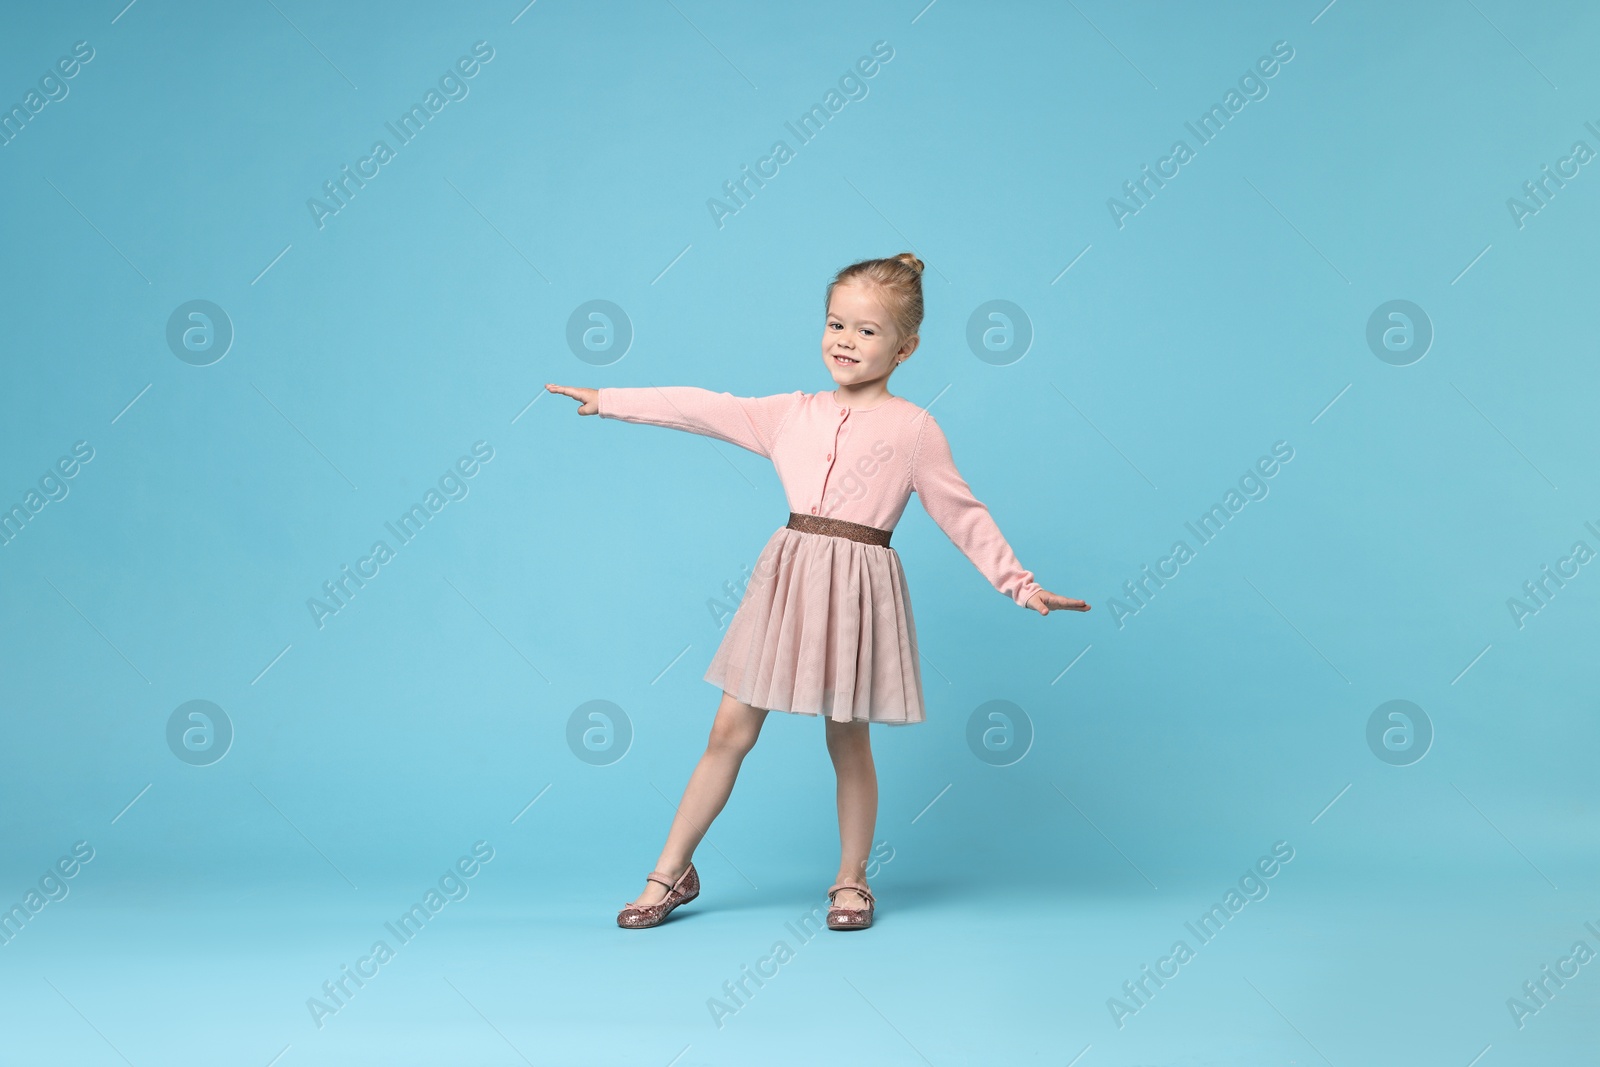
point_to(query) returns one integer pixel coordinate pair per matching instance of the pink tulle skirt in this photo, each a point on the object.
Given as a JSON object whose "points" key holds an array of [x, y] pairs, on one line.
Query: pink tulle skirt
{"points": [[824, 628]]}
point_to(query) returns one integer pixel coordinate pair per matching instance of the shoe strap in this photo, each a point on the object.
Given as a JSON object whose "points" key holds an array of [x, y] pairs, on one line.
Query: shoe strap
{"points": [[865, 893], [665, 879]]}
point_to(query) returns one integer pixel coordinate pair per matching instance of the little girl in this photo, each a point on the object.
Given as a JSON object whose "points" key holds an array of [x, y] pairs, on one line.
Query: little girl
{"points": [[824, 626]]}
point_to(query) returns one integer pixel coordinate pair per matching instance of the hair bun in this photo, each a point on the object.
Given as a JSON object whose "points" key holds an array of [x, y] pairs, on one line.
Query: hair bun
{"points": [[897, 279]]}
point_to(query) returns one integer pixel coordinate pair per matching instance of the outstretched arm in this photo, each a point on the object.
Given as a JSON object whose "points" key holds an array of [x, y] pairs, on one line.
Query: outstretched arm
{"points": [[967, 522], [751, 422]]}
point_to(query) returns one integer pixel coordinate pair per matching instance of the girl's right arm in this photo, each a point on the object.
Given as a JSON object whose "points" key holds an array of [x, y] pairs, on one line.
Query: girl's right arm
{"points": [[751, 422]]}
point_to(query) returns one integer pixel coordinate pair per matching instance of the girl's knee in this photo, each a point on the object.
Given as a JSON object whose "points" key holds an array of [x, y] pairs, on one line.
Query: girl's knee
{"points": [[732, 738], [736, 727]]}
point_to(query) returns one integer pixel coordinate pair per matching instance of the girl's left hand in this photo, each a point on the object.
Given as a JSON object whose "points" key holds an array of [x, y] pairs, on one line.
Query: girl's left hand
{"points": [[1045, 601]]}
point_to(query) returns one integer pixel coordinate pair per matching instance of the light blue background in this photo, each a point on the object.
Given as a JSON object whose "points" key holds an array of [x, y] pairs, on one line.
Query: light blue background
{"points": [[1228, 314]]}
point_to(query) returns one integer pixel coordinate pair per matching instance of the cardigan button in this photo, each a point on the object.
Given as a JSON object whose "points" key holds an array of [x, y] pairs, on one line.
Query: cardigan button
{"points": [[830, 455], [813, 509]]}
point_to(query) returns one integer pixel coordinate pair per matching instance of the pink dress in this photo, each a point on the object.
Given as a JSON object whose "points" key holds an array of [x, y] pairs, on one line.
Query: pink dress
{"points": [[824, 626]]}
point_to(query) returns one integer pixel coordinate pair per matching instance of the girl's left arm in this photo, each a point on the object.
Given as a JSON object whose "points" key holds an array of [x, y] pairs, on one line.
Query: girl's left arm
{"points": [[963, 518]]}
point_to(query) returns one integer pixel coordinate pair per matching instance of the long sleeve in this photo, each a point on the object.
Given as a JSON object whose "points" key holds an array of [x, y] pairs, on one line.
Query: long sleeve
{"points": [[964, 519], [751, 422]]}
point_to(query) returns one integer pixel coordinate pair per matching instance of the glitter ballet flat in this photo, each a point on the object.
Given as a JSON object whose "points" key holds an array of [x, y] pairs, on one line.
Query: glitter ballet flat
{"points": [[850, 918], [685, 889]]}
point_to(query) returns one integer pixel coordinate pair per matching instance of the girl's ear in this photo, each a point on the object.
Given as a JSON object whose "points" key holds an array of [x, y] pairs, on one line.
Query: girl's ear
{"points": [[908, 346]]}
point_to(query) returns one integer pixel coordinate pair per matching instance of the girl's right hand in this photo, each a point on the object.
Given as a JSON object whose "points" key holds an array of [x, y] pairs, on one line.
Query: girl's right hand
{"points": [[588, 399]]}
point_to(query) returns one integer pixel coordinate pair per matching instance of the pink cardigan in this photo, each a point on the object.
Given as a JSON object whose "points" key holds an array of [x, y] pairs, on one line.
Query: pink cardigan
{"points": [[856, 465]]}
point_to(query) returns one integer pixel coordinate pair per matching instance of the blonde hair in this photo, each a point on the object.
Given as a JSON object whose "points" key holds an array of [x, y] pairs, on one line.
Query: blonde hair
{"points": [[899, 278]]}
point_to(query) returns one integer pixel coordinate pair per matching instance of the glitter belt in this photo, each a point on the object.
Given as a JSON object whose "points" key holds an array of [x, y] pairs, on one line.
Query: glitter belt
{"points": [[855, 531]]}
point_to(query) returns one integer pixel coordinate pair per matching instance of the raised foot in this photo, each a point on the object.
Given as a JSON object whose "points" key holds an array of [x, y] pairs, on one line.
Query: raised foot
{"points": [[645, 912], [655, 892]]}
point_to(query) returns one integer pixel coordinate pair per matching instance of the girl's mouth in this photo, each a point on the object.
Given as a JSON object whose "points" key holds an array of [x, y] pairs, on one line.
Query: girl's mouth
{"points": [[845, 361]]}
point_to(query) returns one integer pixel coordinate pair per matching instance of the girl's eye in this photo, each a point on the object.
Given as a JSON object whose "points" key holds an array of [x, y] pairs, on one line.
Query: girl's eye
{"points": [[867, 332]]}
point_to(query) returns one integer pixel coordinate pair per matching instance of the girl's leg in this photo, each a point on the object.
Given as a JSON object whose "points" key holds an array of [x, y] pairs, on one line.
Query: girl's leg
{"points": [[851, 750], [733, 734]]}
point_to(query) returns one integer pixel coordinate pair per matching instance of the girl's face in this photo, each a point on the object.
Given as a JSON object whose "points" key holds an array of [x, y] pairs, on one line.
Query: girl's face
{"points": [[859, 342]]}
